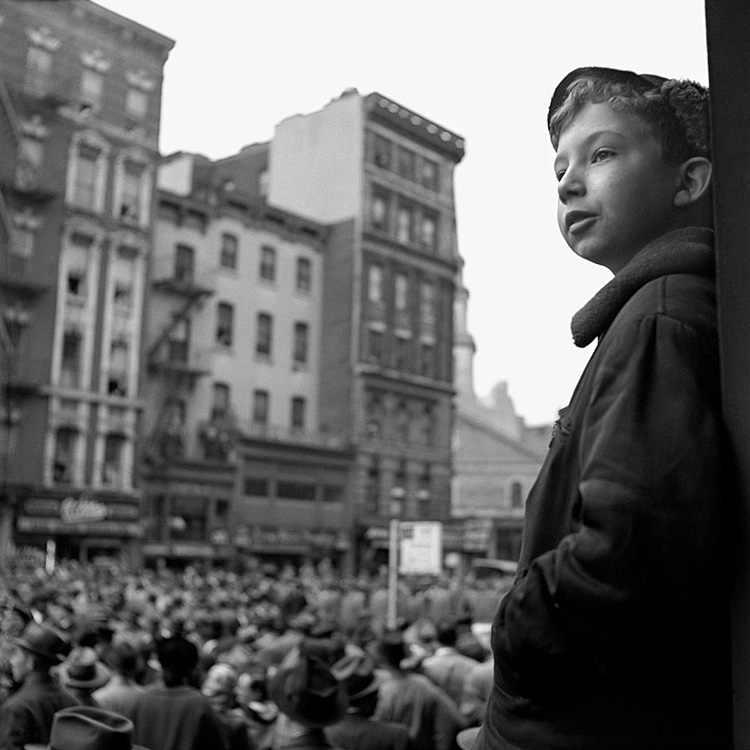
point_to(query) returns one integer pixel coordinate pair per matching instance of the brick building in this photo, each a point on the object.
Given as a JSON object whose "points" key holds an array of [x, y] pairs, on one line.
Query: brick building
{"points": [[85, 86]]}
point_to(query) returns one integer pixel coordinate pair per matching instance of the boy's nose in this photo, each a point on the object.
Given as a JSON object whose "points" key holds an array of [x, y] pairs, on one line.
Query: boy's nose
{"points": [[571, 185]]}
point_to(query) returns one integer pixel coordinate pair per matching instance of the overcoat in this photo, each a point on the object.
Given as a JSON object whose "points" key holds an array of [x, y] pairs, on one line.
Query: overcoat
{"points": [[615, 633]]}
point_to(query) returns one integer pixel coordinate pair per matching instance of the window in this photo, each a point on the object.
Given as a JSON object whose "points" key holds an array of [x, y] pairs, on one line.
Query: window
{"points": [[30, 157], [255, 487], [177, 343], [424, 493], [130, 200], [112, 473], [379, 210], [136, 104], [86, 172], [333, 493], [21, 241], [92, 84], [427, 360], [188, 521], [375, 416], [402, 421], [38, 75], [119, 362], [220, 408], [375, 283], [301, 331], [76, 285], [403, 354], [260, 407], [428, 231], [184, 264], [224, 324], [71, 360], [382, 152], [375, 341], [404, 223], [228, 255], [268, 263], [122, 296], [264, 334], [295, 491], [407, 161], [426, 425], [427, 313], [401, 296], [430, 175], [516, 495], [372, 487], [299, 407], [304, 275], [64, 456]]}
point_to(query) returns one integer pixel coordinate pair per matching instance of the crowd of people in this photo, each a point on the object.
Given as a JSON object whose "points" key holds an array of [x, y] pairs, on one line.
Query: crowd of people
{"points": [[267, 659]]}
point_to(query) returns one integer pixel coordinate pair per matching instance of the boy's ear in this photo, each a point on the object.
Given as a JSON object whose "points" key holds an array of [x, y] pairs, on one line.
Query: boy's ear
{"points": [[695, 179]]}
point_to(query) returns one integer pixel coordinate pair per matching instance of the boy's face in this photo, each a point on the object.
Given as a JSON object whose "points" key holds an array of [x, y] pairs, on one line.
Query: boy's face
{"points": [[615, 192]]}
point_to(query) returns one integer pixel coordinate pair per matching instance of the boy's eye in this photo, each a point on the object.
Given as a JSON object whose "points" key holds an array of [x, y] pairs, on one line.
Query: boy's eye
{"points": [[559, 173], [601, 154]]}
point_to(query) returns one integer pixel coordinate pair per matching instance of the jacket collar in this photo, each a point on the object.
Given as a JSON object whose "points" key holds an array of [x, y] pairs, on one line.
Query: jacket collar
{"points": [[687, 250]]}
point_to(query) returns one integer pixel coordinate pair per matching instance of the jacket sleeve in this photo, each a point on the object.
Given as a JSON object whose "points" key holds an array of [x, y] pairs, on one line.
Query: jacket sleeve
{"points": [[645, 549]]}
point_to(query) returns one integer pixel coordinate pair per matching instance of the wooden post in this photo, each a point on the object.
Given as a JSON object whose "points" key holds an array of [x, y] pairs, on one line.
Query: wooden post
{"points": [[728, 37]]}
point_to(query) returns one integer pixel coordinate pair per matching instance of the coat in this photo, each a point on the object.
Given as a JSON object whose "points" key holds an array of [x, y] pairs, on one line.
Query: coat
{"points": [[26, 717], [615, 633], [357, 732]]}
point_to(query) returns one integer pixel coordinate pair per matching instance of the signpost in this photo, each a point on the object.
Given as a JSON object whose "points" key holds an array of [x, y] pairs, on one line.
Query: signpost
{"points": [[414, 548]]}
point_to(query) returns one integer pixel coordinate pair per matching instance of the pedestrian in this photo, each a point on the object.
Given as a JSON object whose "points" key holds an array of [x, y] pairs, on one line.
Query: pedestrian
{"points": [[124, 659], [309, 697], [616, 631], [430, 715], [447, 667], [358, 729], [175, 716], [82, 673], [26, 716], [89, 728]]}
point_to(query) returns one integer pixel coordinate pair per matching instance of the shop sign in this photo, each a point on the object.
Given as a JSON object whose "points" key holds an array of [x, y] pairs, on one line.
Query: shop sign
{"points": [[477, 534], [192, 550], [36, 525], [421, 548], [83, 509], [74, 510], [258, 537]]}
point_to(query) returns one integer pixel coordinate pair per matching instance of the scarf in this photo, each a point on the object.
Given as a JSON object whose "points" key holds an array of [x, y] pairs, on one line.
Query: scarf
{"points": [[687, 250]]}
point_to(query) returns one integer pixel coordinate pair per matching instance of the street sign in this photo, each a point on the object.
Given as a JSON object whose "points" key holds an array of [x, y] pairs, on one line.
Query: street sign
{"points": [[421, 544]]}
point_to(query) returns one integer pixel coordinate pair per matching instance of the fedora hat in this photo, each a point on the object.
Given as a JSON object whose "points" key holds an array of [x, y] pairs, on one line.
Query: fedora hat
{"points": [[43, 641], [393, 650], [308, 692], [89, 728], [357, 672], [82, 669]]}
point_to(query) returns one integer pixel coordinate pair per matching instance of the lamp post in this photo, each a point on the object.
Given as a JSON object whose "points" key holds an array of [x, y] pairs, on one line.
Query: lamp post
{"points": [[397, 503]]}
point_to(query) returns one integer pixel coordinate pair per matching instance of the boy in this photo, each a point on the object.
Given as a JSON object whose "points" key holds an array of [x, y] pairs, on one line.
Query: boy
{"points": [[615, 634]]}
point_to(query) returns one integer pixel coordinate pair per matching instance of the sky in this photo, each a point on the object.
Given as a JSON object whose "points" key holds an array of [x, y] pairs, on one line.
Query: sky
{"points": [[483, 69]]}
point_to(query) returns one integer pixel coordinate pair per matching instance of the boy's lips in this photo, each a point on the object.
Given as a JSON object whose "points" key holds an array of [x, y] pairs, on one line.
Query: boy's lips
{"points": [[576, 221]]}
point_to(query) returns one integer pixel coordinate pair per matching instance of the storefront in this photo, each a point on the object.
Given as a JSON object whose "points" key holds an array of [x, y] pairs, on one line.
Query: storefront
{"points": [[83, 527]]}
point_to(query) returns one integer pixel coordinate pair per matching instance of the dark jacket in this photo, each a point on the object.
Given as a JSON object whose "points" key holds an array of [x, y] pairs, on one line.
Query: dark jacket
{"points": [[357, 732], [615, 633], [26, 717]]}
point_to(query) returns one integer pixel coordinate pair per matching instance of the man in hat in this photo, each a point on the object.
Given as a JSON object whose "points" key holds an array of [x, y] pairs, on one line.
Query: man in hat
{"points": [[447, 667], [82, 673], [26, 717], [309, 697], [432, 718], [359, 730], [89, 728]]}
